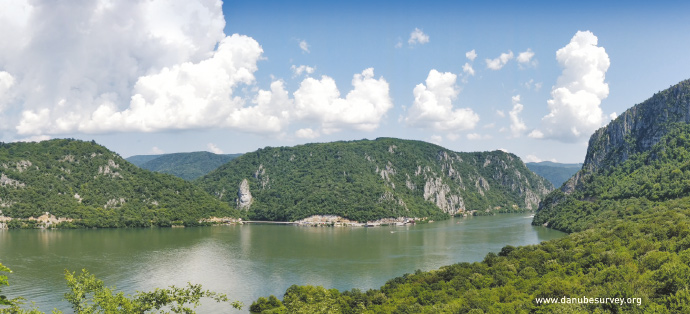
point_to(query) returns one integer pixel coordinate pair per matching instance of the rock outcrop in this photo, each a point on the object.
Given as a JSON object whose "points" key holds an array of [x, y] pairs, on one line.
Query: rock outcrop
{"points": [[244, 196], [368, 180]]}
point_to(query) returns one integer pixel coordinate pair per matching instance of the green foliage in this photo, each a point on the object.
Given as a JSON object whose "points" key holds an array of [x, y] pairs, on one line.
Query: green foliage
{"points": [[367, 180], [659, 174], [89, 295], [645, 255], [188, 166], [4, 282], [95, 187]]}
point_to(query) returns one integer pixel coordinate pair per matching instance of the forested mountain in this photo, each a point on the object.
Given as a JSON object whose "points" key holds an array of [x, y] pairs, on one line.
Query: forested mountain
{"points": [[642, 154], [139, 160], [87, 182], [556, 173], [366, 180], [631, 202], [188, 166]]}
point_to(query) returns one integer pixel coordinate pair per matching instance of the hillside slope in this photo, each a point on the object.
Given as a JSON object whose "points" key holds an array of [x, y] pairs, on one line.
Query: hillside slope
{"points": [[188, 166], [87, 182], [628, 209], [366, 180], [641, 154]]}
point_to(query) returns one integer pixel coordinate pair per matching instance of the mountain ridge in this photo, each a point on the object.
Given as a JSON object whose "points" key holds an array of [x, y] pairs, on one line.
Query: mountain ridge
{"points": [[188, 166], [371, 179]]}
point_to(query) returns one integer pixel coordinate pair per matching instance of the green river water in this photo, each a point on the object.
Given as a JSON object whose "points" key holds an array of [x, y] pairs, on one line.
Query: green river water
{"points": [[249, 261]]}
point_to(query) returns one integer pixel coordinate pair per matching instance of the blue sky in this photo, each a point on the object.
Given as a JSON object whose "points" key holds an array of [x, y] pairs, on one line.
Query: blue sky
{"points": [[534, 78]]}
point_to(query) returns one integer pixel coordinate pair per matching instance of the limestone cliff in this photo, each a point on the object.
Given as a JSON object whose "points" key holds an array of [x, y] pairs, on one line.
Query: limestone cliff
{"points": [[368, 180], [634, 131]]}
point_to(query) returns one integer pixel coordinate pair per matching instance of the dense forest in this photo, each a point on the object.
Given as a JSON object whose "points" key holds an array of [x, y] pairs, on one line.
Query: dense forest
{"points": [[367, 180], [188, 166], [95, 187], [629, 213]]}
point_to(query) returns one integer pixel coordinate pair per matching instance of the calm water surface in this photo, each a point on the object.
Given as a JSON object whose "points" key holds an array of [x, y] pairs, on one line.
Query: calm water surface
{"points": [[249, 261]]}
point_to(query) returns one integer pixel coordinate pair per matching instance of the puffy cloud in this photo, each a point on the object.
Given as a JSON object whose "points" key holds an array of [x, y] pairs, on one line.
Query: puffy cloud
{"points": [[536, 134], [436, 139], [363, 108], [532, 158], [304, 46], [299, 70], [525, 56], [155, 66], [467, 68], [71, 57], [498, 63], [433, 108], [198, 95], [471, 55], [477, 136], [307, 133], [500, 113], [418, 37], [574, 105], [214, 149], [517, 126]]}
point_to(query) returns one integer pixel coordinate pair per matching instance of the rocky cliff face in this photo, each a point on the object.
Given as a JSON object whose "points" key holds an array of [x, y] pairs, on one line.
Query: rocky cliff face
{"points": [[635, 131], [368, 180], [638, 128]]}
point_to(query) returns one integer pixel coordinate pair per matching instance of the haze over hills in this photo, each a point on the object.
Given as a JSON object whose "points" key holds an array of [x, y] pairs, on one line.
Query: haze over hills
{"points": [[556, 173], [366, 180], [89, 183], [188, 166]]}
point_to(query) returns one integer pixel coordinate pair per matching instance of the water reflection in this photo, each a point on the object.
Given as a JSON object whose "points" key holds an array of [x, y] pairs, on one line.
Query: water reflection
{"points": [[249, 261]]}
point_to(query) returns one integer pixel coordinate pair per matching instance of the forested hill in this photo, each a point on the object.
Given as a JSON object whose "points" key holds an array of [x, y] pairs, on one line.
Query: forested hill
{"points": [[631, 204], [556, 173], [366, 180], [642, 154], [188, 166], [87, 182]]}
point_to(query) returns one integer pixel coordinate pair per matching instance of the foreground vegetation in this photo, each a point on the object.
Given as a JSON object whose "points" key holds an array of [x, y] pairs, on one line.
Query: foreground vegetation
{"points": [[644, 255], [88, 295]]}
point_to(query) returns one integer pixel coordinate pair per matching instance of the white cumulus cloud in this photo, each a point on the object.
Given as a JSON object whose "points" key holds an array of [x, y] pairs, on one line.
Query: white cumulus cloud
{"points": [[471, 55], [299, 70], [418, 37], [158, 65], [214, 149], [574, 106], [363, 108], [517, 126], [433, 107], [304, 46], [525, 56], [467, 68], [307, 133], [498, 63]]}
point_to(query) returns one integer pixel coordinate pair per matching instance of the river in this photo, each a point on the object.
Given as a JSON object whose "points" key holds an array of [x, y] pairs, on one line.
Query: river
{"points": [[249, 261]]}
